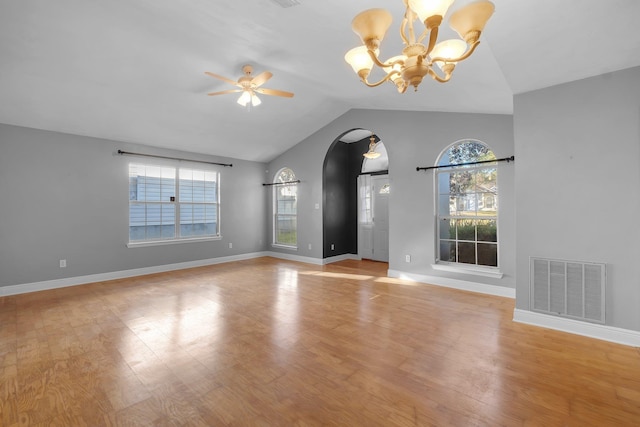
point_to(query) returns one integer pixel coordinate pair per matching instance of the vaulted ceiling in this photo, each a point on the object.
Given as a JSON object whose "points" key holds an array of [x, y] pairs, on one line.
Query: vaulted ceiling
{"points": [[133, 70]]}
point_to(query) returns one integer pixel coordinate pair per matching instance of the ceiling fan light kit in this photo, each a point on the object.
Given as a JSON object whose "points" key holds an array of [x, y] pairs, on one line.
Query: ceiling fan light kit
{"points": [[249, 85], [418, 59]]}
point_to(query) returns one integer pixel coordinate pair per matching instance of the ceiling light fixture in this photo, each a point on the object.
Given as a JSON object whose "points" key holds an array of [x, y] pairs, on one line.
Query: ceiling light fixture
{"points": [[249, 86], [372, 153], [249, 99], [417, 59]]}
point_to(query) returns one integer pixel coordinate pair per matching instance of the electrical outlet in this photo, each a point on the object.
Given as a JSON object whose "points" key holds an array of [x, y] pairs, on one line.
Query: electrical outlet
{"points": [[230, 245], [333, 247], [63, 263], [407, 258], [309, 246]]}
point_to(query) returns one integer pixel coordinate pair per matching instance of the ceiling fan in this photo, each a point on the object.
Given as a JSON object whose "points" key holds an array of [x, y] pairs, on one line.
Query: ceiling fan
{"points": [[249, 85]]}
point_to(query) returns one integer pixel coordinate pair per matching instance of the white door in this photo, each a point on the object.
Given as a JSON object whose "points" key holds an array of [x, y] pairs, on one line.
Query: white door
{"points": [[373, 217], [380, 192]]}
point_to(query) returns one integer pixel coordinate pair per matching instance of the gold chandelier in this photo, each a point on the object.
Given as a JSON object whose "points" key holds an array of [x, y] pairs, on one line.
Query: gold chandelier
{"points": [[417, 59]]}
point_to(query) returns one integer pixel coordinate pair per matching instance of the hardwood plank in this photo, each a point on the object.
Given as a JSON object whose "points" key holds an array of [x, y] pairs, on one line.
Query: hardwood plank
{"points": [[272, 342]]}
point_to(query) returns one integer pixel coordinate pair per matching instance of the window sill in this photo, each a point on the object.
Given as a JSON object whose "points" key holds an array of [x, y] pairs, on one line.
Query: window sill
{"points": [[291, 248], [143, 244], [494, 273]]}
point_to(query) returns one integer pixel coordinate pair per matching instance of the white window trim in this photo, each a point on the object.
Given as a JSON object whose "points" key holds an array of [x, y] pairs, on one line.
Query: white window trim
{"points": [[141, 244], [281, 246], [474, 270]]}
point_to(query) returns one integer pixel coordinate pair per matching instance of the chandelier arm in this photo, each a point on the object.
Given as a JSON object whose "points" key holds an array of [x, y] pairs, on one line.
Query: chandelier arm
{"points": [[403, 29], [461, 58], [384, 79], [423, 35], [381, 64], [437, 78], [433, 38]]}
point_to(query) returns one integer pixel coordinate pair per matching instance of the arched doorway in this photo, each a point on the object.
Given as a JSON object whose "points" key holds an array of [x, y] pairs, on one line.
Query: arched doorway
{"points": [[342, 196]]}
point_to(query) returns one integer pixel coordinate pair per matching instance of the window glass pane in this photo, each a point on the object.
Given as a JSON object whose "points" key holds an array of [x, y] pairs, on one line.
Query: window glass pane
{"points": [[133, 187], [447, 251], [446, 205], [467, 252], [466, 229], [365, 202], [210, 190], [137, 214], [186, 213], [487, 204], [447, 228], [211, 219], [487, 230], [465, 205], [286, 226], [488, 254], [444, 182], [486, 179], [462, 182], [466, 152], [186, 185]]}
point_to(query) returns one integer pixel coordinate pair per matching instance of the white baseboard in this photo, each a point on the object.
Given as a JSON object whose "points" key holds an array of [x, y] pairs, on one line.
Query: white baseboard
{"points": [[464, 285], [92, 278], [339, 258], [592, 330], [291, 257], [309, 260], [102, 277]]}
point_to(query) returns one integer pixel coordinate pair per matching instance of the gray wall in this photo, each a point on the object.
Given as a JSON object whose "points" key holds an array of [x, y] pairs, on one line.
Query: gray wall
{"points": [[577, 180], [412, 139], [66, 197]]}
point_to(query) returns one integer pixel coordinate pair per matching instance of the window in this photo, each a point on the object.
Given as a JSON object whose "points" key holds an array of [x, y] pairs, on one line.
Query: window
{"points": [[467, 206], [285, 208], [364, 187], [167, 203]]}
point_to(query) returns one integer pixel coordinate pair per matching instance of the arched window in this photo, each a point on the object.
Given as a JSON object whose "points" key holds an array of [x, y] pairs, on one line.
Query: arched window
{"points": [[285, 209], [467, 205]]}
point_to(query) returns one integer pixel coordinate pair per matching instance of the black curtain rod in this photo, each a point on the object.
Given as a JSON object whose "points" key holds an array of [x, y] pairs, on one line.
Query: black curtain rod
{"points": [[173, 158], [281, 183], [504, 159]]}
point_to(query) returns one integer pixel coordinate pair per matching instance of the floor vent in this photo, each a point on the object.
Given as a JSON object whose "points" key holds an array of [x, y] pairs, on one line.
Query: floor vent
{"points": [[568, 288]]}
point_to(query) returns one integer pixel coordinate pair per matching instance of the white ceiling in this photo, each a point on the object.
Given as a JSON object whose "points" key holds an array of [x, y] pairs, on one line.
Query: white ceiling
{"points": [[133, 70]]}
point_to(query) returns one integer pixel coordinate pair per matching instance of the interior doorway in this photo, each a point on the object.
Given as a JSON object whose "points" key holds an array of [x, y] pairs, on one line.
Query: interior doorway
{"points": [[373, 217], [341, 227]]}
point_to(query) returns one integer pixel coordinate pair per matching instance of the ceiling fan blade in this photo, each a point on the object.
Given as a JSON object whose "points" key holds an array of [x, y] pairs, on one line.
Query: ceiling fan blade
{"points": [[225, 92], [261, 78], [275, 92], [224, 79]]}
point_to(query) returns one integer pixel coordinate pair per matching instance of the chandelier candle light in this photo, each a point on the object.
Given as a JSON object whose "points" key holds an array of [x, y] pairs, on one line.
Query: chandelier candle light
{"points": [[417, 59]]}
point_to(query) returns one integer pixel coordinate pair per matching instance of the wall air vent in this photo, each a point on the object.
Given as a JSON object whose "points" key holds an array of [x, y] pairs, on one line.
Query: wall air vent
{"points": [[568, 288], [286, 3]]}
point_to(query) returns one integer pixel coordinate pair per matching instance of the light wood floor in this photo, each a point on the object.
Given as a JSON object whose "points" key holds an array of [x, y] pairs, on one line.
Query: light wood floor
{"points": [[267, 342]]}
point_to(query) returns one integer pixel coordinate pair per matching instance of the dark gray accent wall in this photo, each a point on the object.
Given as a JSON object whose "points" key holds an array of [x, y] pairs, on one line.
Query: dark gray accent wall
{"points": [[66, 197], [577, 148], [342, 165]]}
